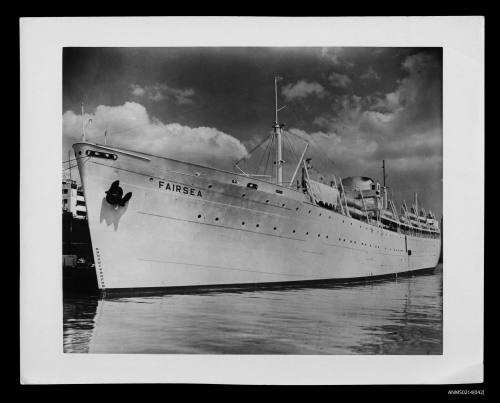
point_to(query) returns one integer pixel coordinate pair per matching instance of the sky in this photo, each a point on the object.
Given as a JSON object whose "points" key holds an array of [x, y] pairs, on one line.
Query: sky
{"points": [[355, 107]]}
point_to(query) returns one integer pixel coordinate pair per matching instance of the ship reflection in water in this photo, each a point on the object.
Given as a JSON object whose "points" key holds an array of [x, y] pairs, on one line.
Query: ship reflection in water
{"points": [[402, 316]]}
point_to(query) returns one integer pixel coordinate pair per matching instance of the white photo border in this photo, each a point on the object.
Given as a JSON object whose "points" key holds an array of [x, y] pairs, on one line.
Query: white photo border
{"points": [[41, 44]]}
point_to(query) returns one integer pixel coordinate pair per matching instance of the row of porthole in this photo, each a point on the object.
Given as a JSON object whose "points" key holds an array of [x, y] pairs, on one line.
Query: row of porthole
{"points": [[307, 233], [319, 235], [258, 225], [365, 244]]}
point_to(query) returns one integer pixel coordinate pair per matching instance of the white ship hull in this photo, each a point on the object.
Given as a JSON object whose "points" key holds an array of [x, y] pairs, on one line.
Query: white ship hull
{"points": [[187, 225]]}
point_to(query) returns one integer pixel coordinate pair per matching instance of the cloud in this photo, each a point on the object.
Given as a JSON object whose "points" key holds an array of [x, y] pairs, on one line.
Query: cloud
{"points": [[161, 92], [403, 126], [302, 89], [336, 56], [339, 80], [137, 90], [370, 74], [130, 126]]}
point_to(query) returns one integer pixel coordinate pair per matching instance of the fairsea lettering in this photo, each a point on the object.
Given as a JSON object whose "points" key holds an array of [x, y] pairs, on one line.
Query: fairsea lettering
{"points": [[187, 190]]}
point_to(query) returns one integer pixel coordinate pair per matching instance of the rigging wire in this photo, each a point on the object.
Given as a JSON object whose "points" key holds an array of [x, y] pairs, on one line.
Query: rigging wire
{"points": [[323, 158], [269, 155], [291, 147], [262, 158], [251, 151], [73, 159], [65, 169]]}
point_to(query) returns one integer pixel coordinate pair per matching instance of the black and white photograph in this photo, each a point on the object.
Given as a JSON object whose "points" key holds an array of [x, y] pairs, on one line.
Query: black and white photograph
{"points": [[254, 200], [283, 200]]}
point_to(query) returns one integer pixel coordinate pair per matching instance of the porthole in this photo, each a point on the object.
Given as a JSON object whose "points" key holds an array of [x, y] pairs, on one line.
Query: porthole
{"points": [[283, 205], [293, 231], [151, 179], [274, 228], [296, 209], [243, 195], [267, 201], [318, 235], [309, 211], [307, 233], [210, 186], [327, 237], [243, 223], [216, 218], [199, 215], [257, 225]]}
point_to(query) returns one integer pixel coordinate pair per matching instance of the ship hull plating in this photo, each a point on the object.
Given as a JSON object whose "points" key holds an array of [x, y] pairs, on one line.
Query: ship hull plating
{"points": [[187, 225]]}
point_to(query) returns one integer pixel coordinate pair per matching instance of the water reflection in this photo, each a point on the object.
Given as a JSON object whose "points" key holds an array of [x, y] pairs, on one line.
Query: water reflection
{"points": [[402, 316]]}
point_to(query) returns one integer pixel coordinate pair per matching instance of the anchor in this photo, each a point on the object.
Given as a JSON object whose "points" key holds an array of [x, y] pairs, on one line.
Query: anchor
{"points": [[114, 195]]}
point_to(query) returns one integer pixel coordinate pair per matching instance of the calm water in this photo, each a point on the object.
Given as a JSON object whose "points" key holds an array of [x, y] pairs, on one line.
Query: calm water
{"points": [[402, 316]]}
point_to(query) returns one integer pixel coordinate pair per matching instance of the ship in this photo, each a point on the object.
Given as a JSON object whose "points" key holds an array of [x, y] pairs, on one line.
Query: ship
{"points": [[159, 223]]}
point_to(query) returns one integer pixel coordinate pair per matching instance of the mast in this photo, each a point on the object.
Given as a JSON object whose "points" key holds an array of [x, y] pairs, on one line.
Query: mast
{"points": [[277, 133], [385, 188], [383, 170], [83, 125]]}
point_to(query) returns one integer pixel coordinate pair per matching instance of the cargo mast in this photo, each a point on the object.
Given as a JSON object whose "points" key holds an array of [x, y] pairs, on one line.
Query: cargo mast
{"points": [[277, 133]]}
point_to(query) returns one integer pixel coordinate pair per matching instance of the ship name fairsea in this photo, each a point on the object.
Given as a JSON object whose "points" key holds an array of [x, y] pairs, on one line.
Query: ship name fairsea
{"points": [[157, 222]]}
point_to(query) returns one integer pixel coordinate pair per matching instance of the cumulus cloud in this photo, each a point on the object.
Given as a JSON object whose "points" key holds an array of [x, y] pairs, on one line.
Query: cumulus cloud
{"points": [[339, 80], [160, 92], [130, 126], [302, 89]]}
